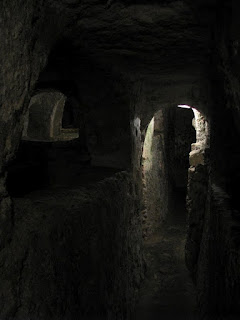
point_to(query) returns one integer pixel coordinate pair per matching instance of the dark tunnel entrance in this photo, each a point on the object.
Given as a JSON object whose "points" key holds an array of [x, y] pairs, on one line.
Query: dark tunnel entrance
{"points": [[183, 135]]}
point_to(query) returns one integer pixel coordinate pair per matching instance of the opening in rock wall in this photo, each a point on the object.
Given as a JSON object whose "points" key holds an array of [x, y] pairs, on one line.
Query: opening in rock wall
{"points": [[48, 153], [165, 162], [184, 136], [45, 117], [73, 217], [171, 135], [76, 128], [68, 116]]}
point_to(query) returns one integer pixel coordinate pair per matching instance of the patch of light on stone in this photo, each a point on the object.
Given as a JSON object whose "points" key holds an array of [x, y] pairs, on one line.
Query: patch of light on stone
{"points": [[196, 113], [199, 125], [147, 148], [184, 106]]}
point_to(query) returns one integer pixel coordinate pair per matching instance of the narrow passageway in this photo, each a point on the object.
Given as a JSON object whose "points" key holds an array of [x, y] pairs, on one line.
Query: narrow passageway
{"points": [[168, 292]]}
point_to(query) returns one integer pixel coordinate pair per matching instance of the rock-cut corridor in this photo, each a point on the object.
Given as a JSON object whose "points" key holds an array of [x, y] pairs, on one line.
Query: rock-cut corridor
{"points": [[106, 108], [168, 292]]}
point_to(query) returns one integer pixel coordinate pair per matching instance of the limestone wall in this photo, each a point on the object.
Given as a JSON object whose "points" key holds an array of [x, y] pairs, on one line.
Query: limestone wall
{"points": [[74, 253], [27, 39], [216, 228], [154, 175]]}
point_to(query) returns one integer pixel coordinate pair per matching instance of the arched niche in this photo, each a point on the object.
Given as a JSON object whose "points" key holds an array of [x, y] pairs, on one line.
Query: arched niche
{"points": [[43, 121]]}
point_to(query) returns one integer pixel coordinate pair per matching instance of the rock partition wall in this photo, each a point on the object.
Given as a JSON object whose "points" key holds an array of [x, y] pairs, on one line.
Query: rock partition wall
{"points": [[27, 39], [77, 253], [196, 205], [216, 227], [198, 208], [154, 175], [212, 247], [74, 254], [218, 277]]}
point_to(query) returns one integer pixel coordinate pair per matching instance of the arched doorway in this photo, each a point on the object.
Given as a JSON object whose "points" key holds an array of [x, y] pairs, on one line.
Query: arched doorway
{"points": [[175, 143]]}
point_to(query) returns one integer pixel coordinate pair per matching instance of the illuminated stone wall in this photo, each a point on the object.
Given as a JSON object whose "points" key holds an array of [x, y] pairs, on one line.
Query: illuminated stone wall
{"points": [[154, 173]]}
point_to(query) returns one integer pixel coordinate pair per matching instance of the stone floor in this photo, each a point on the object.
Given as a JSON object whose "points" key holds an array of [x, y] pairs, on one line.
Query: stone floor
{"points": [[168, 292]]}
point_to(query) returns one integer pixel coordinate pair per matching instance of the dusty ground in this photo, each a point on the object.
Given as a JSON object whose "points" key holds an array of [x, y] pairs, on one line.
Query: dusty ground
{"points": [[168, 292]]}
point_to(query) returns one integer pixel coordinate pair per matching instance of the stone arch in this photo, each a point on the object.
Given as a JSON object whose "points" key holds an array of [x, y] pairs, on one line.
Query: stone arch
{"points": [[43, 121], [159, 166]]}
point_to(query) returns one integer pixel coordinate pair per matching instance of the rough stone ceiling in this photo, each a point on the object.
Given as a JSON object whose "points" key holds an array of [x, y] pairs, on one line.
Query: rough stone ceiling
{"points": [[141, 37]]}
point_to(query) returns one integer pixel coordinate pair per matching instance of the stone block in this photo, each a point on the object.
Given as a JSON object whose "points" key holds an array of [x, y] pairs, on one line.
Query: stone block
{"points": [[196, 157]]}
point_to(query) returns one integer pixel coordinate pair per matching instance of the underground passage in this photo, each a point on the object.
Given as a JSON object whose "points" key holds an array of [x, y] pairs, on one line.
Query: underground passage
{"points": [[119, 160]]}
